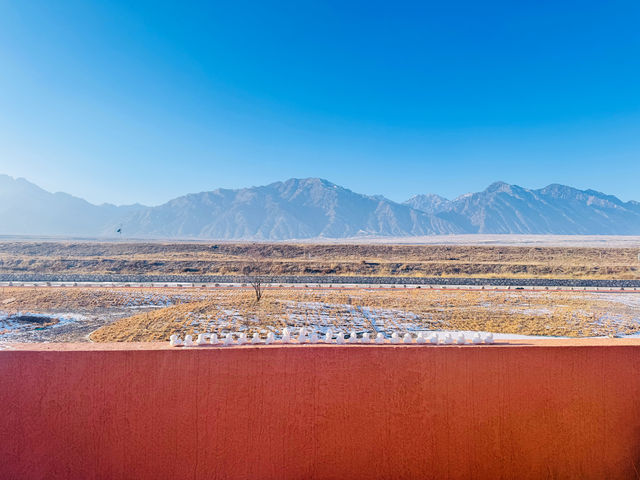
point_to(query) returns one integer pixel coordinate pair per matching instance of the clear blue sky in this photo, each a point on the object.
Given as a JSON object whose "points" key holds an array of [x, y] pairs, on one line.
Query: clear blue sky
{"points": [[142, 101]]}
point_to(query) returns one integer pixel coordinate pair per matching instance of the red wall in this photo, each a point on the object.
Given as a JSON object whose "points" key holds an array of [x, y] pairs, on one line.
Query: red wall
{"points": [[322, 412]]}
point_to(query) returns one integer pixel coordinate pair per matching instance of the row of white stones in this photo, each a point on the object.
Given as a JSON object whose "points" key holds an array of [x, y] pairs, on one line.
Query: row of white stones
{"points": [[313, 337]]}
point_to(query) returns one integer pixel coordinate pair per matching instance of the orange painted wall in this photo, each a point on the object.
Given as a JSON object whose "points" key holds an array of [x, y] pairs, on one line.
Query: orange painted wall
{"points": [[322, 412]]}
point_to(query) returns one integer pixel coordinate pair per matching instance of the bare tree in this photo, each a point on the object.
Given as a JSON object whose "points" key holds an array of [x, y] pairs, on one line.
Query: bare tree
{"points": [[256, 280], [258, 286]]}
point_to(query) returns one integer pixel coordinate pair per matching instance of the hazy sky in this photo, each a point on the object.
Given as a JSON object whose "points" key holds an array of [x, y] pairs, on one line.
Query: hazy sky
{"points": [[142, 101]]}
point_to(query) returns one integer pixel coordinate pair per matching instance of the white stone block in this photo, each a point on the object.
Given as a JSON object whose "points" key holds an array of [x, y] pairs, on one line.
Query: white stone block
{"points": [[328, 336]]}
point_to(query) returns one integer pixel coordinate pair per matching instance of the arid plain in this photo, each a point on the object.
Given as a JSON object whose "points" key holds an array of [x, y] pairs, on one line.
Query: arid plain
{"points": [[370, 259], [46, 311]]}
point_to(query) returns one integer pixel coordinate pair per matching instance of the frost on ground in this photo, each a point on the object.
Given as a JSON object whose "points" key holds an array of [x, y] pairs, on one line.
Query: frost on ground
{"points": [[521, 313], [148, 314], [37, 327], [71, 314]]}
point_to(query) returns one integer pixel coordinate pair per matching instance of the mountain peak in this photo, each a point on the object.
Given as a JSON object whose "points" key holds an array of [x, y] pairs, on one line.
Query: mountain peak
{"points": [[558, 189], [314, 207], [310, 181], [429, 203], [555, 209], [498, 187]]}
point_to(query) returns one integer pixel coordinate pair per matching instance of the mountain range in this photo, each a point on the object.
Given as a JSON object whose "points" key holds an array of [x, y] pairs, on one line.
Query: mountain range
{"points": [[317, 208]]}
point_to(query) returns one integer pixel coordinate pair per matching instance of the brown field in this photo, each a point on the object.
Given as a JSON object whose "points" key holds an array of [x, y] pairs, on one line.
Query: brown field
{"points": [[154, 314], [132, 314], [526, 313], [273, 259]]}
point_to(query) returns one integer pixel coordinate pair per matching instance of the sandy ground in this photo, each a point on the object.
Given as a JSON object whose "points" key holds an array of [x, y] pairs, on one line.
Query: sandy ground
{"points": [[605, 241], [596, 241]]}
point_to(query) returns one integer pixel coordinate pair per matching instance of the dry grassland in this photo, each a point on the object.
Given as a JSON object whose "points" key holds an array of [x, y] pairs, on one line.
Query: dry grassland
{"points": [[552, 313], [314, 259]]}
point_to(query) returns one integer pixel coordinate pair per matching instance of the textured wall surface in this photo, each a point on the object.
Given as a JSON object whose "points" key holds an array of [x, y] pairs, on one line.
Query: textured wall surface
{"points": [[537, 411]]}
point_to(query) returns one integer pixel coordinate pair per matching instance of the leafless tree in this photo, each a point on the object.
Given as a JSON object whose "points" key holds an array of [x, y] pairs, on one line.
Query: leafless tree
{"points": [[256, 280], [258, 286]]}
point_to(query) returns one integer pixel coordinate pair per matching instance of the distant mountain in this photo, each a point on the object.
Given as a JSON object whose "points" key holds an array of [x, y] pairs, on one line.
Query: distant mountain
{"points": [[297, 208], [429, 203], [26, 209], [555, 209], [316, 208]]}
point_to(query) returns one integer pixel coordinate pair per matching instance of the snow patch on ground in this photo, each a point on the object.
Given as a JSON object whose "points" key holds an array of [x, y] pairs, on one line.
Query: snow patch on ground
{"points": [[11, 327]]}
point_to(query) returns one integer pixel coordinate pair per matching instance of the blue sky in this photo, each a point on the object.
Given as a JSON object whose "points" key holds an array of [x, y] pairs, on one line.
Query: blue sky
{"points": [[143, 101]]}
